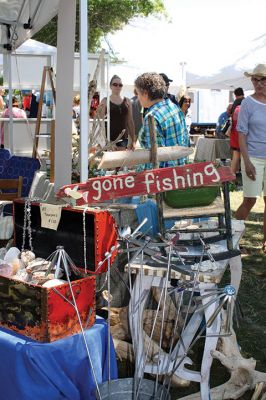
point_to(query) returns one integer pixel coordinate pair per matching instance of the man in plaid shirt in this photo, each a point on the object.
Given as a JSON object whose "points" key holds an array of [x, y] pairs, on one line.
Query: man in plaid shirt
{"points": [[169, 120]]}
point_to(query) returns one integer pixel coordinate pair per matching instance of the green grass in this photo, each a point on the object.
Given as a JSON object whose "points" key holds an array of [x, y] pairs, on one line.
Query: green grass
{"points": [[252, 330]]}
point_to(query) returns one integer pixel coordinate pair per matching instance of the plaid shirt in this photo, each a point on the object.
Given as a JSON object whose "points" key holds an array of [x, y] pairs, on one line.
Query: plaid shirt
{"points": [[170, 128]]}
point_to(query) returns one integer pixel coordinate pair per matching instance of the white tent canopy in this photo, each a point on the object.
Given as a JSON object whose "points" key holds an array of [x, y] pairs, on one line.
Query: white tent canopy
{"points": [[34, 47], [27, 64], [232, 76], [21, 19], [28, 60]]}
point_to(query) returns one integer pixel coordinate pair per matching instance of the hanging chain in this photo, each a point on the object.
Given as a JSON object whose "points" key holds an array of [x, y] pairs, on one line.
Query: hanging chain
{"points": [[27, 223], [24, 225]]}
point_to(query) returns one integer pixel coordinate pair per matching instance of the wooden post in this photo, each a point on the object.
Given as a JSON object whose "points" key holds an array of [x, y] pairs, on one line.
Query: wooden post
{"points": [[154, 160], [50, 71]]}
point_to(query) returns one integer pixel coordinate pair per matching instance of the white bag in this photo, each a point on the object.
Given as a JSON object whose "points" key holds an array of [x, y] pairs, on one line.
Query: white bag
{"points": [[6, 227]]}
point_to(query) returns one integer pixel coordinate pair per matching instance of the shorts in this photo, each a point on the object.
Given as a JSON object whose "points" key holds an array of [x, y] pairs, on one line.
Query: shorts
{"points": [[254, 188]]}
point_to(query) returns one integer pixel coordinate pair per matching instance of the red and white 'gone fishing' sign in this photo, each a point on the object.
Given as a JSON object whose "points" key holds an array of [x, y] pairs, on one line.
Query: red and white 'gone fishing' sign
{"points": [[147, 182]]}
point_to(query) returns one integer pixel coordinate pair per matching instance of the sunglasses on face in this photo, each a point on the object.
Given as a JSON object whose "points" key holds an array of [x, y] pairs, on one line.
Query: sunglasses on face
{"points": [[256, 80], [117, 84]]}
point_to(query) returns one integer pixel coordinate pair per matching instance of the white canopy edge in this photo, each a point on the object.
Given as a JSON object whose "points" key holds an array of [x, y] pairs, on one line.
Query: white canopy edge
{"points": [[21, 19]]}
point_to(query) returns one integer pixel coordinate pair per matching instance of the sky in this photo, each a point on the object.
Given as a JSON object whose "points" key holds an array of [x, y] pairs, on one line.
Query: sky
{"points": [[205, 34]]}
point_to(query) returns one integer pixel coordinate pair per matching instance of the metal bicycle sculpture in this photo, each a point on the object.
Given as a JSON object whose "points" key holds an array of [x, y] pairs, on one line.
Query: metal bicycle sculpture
{"points": [[196, 322]]}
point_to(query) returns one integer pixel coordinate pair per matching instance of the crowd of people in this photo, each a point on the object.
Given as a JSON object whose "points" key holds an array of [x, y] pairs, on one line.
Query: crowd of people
{"points": [[151, 97], [243, 122]]}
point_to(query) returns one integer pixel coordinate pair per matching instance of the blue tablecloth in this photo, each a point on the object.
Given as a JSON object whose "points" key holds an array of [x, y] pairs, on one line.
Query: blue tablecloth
{"points": [[30, 370]]}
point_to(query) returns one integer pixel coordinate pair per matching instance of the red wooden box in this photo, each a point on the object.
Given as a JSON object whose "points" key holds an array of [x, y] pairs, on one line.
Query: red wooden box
{"points": [[44, 314], [100, 228]]}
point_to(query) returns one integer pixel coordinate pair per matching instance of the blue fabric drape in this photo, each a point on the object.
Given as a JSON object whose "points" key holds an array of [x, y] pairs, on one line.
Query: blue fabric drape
{"points": [[56, 371]]}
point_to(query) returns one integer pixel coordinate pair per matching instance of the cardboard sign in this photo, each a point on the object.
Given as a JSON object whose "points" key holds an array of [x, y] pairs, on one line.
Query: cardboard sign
{"points": [[146, 182], [50, 215]]}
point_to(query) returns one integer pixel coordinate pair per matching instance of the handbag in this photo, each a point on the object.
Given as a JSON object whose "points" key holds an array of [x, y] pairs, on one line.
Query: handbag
{"points": [[226, 130]]}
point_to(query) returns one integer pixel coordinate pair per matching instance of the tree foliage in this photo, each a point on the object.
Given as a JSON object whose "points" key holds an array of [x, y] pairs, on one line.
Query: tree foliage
{"points": [[104, 16]]}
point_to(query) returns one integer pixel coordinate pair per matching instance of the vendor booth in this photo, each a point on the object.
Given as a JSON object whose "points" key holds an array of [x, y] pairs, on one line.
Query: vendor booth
{"points": [[75, 246]]}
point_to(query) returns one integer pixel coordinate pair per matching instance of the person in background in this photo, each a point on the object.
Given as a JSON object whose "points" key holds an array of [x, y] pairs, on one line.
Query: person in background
{"points": [[16, 112], [234, 142], [167, 84], [76, 106], [34, 105], [26, 96], [137, 113], [184, 104], [169, 120], [2, 101], [120, 115], [251, 128], [223, 120]]}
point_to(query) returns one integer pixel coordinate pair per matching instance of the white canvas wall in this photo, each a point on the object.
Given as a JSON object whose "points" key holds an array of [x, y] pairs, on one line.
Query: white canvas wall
{"points": [[29, 59]]}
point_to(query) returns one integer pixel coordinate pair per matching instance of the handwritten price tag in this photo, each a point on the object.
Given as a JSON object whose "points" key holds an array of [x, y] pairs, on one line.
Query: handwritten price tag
{"points": [[50, 216]]}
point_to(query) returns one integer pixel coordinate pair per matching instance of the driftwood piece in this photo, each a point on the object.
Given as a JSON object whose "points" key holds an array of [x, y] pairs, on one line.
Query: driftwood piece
{"points": [[131, 158], [121, 336], [124, 351], [170, 309], [120, 326], [107, 147], [243, 374]]}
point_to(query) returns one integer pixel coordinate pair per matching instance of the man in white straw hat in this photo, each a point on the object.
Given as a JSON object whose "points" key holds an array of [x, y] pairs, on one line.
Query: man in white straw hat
{"points": [[252, 140]]}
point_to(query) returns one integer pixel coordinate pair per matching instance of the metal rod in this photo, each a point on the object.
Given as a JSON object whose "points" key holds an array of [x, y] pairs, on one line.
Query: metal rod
{"points": [[163, 316], [62, 254]]}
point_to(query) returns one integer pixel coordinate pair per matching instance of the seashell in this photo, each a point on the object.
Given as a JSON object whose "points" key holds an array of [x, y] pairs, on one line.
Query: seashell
{"points": [[40, 277], [22, 275], [15, 265], [107, 295], [205, 266], [27, 256], [11, 254], [39, 264], [53, 282], [6, 270]]}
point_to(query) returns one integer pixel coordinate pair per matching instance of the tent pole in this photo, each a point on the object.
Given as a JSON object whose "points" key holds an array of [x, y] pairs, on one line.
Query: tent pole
{"points": [[64, 92], [84, 109], [10, 125]]}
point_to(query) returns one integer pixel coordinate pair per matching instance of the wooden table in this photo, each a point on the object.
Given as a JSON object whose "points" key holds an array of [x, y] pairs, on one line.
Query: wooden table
{"points": [[147, 277]]}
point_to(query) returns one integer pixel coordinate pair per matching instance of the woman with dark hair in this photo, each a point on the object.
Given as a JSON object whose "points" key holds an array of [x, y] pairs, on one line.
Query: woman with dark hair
{"points": [[120, 115], [184, 104]]}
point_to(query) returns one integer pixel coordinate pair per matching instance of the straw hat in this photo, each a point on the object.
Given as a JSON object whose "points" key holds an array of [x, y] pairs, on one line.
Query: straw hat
{"points": [[259, 70]]}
